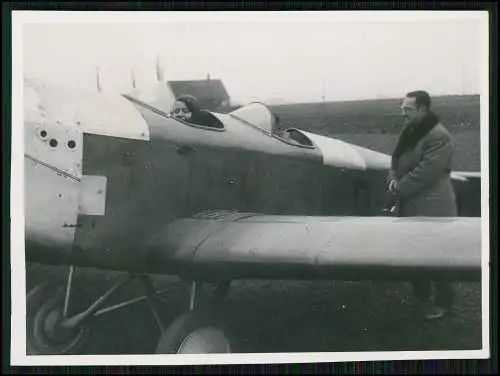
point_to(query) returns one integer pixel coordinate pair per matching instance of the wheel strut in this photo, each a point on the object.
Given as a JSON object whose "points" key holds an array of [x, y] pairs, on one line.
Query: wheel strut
{"points": [[51, 326], [150, 296], [192, 295], [68, 290], [81, 317]]}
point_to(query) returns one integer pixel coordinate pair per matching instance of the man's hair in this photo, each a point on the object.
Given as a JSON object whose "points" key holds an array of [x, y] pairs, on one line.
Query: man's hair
{"points": [[422, 98]]}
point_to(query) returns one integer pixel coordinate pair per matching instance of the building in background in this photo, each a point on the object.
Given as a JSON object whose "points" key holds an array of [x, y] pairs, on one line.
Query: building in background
{"points": [[211, 93]]}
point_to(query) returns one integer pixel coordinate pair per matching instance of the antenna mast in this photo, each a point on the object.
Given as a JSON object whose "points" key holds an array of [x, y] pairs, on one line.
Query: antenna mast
{"points": [[463, 78], [97, 78], [132, 76], [159, 71]]}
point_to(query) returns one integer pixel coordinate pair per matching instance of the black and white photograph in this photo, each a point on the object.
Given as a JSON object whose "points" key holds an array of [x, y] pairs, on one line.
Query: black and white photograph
{"points": [[249, 187]]}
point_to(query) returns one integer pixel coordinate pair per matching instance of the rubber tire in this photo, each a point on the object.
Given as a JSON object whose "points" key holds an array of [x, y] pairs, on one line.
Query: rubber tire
{"points": [[172, 338], [40, 300]]}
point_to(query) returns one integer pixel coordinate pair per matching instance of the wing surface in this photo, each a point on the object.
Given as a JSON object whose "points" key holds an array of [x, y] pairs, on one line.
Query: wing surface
{"points": [[342, 154], [236, 246], [465, 175]]}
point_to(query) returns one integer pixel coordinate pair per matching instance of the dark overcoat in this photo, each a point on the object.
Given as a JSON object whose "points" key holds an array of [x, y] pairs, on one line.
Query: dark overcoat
{"points": [[423, 175]]}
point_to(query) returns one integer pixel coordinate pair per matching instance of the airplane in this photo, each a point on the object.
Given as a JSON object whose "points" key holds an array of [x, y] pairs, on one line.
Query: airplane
{"points": [[114, 182]]}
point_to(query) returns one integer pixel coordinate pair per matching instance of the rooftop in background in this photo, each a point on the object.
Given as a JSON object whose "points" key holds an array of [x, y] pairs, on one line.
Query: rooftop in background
{"points": [[211, 93]]}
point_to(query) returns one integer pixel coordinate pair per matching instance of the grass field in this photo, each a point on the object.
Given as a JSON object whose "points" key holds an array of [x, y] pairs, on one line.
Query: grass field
{"points": [[376, 116], [287, 316], [326, 316]]}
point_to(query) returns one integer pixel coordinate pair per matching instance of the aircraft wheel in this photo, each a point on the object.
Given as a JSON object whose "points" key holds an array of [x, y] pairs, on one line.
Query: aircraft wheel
{"points": [[195, 333], [44, 310]]}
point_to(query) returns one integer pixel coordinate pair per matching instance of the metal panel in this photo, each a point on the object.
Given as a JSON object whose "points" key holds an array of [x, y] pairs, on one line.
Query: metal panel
{"points": [[54, 145], [53, 171], [92, 195], [89, 112], [283, 186], [146, 187], [51, 204], [218, 179]]}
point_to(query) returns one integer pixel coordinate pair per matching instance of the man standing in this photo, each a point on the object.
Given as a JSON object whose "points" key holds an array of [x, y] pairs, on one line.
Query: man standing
{"points": [[419, 180]]}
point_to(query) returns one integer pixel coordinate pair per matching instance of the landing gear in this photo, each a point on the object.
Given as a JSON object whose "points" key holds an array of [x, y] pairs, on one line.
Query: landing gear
{"points": [[57, 325], [51, 330], [198, 331], [195, 333], [44, 313]]}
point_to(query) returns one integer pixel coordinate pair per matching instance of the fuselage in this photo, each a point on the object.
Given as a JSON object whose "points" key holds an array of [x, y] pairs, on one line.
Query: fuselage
{"points": [[119, 171]]}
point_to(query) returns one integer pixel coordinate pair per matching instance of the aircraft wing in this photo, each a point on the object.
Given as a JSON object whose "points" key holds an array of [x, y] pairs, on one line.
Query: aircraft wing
{"points": [[346, 155], [465, 175], [342, 154], [239, 245]]}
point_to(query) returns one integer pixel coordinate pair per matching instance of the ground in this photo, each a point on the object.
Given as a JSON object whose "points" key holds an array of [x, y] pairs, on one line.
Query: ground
{"points": [[292, 316]]}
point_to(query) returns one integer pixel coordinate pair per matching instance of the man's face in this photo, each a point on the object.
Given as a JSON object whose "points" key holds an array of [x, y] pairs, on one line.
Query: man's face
{"points": [[410, 111], [180, 111]]}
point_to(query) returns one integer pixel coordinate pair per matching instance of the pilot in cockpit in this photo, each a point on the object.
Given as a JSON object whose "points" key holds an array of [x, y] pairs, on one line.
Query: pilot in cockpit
{"points": [[281, 132], [187, 108]]}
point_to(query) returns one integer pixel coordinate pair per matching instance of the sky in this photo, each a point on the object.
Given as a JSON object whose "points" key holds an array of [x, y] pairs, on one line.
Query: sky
{"points": [[273, 58]]}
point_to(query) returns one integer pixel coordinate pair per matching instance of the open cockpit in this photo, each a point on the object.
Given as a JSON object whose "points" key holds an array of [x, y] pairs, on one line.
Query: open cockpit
{"points": [[162, 102], [260, 116]]}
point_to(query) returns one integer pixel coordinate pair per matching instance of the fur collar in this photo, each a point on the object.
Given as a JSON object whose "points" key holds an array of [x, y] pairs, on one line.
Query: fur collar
{"points": [[413, 134]]}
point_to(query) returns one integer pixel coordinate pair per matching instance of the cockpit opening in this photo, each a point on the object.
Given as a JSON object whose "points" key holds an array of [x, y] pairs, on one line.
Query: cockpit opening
{"points": [[294, 136], [186, 109], [164, 104], [260, 116], [204, 119]]}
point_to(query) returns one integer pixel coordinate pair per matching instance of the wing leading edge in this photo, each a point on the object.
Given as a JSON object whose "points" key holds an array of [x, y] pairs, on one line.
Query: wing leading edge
{"points": [[233, 246], [342, 154]]}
